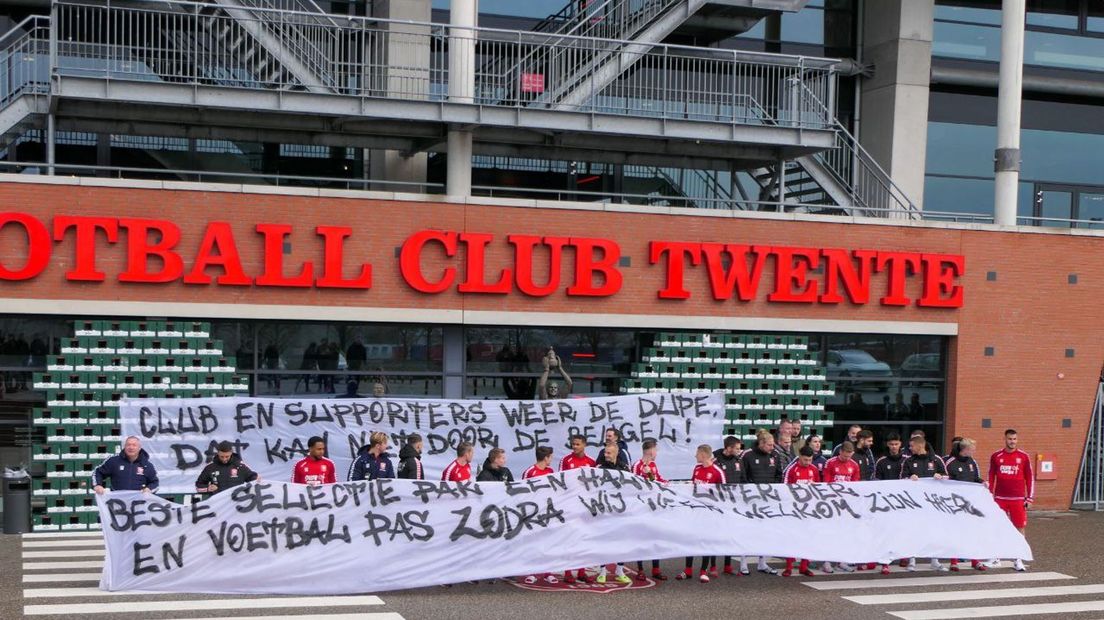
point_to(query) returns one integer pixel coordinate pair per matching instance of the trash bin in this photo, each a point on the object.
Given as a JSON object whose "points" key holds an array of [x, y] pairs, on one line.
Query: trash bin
{"points": [[17, 501]]}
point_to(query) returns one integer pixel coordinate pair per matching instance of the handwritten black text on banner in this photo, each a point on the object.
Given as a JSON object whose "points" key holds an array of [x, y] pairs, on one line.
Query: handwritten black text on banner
{"points": [[392, 534], [271, 434]]}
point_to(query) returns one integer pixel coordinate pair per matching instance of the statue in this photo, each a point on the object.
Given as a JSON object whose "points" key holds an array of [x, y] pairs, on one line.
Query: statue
{"points": [[552, 391]]}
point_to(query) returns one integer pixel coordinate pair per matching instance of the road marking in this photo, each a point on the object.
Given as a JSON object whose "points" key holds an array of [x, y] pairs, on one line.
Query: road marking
{"points": [[33, 535], [89, 592], [998, 611], [61, 565], [43, 544], [379, 615], [75, 553], [949, 580], [969, 595], [55, 578], [200, 605]]}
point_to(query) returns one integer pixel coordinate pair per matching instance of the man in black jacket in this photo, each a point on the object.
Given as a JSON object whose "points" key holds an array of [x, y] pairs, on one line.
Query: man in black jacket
{"points": [[923, 463], [410, 459], [494, 468], [224, 471], [130, 470], [728, 458], [762, 466], [864, 454], [889, 466]]}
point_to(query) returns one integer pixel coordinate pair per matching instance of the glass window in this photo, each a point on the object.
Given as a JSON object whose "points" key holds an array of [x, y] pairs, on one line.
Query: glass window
{"points": [[1095, 22], [520, 350], [1054, 206], [1090, 206], [349, 346], [1053, 13], [981, 12], [1049, 49], [888, 401], [237, 341], [874, 356], [1061, 156], [488, 386], [530, 8], [960, 149], [970, 196], [932, 430], [25, 342]]}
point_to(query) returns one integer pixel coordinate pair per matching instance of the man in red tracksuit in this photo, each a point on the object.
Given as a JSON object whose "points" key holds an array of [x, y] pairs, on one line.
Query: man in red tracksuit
{"points": [[842, 468], [460, 469], [707, 471], [315, 469], [801, 471], [1012, 483], [575, 460]]}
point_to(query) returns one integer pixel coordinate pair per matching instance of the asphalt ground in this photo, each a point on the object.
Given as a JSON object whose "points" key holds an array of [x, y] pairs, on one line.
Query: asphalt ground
{"points": [[1067, 548]]}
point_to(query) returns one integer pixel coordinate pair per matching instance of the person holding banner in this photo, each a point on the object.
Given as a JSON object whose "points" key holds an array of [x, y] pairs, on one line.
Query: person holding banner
{"points": [[962, 467], [373, 461], [224, 471], [842, 468], [801, 471], [611, 459], [460, 469], [129, 470], [705, 472], [543, 466], [728, 458], [852, 436], [575, 460], [647, 468], [864, 454], [613, 435], [761, 466], [315, 469], [410, 459], [494, 468], [923, 464], [889, 466]]}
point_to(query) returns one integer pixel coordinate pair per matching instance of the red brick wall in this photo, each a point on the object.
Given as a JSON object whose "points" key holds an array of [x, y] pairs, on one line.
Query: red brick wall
{"points": [[1030, 314]]}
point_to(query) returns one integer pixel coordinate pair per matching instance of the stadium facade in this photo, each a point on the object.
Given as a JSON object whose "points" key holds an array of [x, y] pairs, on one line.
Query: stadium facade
{"points": [[430, 194]]}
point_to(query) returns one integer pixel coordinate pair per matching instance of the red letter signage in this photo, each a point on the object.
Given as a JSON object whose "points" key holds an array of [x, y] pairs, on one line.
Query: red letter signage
{"points": [[38, 246]]}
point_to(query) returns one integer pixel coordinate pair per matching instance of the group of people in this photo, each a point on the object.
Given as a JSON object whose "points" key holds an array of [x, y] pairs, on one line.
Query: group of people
{"points": [[783, 456]]}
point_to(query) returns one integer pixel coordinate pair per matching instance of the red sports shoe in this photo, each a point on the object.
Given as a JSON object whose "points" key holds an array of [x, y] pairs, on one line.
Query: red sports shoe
{"points": [[885, 569], [787, 573], [658, 575], [728, 570], [583, 576], [954, 566], [568, 577]]}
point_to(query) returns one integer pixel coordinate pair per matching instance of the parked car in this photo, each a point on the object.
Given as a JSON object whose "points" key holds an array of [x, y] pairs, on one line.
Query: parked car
{"points": [[921, 365], [856, 363]]}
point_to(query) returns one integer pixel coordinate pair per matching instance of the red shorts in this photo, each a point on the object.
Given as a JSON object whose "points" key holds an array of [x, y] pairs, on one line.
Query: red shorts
{"points": [[1016, 511]]}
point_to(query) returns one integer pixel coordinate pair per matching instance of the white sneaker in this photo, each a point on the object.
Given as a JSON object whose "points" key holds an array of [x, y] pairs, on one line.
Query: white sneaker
{"points": [[847, 568], [935, 565], [1019, 566], [827, 568], [993, 564], [911, 565]]}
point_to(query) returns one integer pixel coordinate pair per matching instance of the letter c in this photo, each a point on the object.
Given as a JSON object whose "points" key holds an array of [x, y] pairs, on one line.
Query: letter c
{"points": [[410, 260]]}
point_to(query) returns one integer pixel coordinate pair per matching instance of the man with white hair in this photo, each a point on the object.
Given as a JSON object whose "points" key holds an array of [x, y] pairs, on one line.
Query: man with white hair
{"points": [[129, 470]]}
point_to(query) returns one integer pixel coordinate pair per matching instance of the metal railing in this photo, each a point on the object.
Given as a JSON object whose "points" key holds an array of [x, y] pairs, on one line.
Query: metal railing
{"points": [[1089, 492], [855, 168], [432, 188], [404, 60], [304, 29], [25, 59]]}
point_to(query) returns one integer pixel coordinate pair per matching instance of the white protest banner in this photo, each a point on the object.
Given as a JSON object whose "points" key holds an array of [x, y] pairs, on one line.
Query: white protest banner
{"points": [[180, 434], [393, 534]]}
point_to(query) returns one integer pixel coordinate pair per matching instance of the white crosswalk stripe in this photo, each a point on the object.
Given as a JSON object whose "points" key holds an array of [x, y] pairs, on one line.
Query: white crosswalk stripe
{"points": [[61, 575], [999, 611], [932, 597], [968, 595], [938, 580]]}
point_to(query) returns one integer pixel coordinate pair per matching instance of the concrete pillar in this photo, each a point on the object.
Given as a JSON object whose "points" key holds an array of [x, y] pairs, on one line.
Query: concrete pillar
{"points": [[453, 361], [403, 71], [463, 16], [897, 41], [1009, 93]]}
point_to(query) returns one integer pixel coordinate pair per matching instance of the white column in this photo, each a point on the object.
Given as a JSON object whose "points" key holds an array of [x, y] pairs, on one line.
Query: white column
{"points": [[463, 16], [1007, 156]]}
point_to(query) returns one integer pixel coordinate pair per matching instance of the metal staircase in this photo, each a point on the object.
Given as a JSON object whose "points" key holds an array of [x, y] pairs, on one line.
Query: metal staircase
{"points": [[1089, 492], [24, 55]]}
